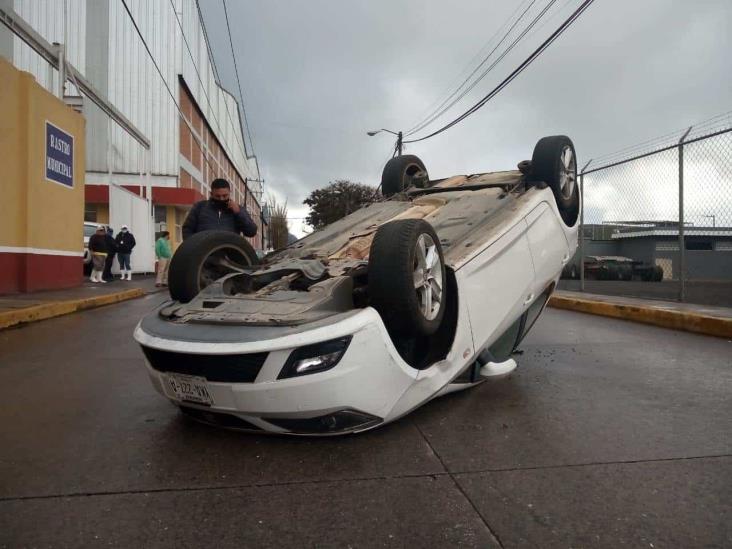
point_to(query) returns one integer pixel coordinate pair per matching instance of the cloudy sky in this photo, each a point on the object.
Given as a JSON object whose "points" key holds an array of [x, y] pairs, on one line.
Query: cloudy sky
{"points": [[318, 74]]}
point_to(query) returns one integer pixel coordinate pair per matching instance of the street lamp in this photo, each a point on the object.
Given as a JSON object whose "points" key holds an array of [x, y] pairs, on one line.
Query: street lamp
{"points": [[398, 134]]}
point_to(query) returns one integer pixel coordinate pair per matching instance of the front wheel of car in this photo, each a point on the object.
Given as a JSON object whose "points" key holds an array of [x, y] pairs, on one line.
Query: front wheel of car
{"points": [[555, 163], [406, 277], [205, 257]]}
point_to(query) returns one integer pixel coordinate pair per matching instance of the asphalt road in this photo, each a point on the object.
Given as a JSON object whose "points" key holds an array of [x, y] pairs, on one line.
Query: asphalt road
{"points": [[609, 434]]}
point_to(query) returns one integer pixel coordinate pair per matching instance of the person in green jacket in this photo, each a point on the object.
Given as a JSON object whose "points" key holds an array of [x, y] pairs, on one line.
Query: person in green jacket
{"points": [[163, 253]]}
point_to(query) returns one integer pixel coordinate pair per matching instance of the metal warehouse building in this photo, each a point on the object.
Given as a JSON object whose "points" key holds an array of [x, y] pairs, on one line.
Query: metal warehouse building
{"points": [[192, 140], [708, 250]]}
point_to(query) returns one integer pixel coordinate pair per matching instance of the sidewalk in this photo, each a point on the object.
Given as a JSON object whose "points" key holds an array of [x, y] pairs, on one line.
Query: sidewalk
{"points": [[701, 319], [18, 309]]}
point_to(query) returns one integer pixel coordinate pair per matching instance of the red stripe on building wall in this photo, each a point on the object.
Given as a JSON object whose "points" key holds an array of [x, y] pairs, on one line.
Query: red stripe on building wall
{"points": [[96, 194], [169, 196], [22, 272]]}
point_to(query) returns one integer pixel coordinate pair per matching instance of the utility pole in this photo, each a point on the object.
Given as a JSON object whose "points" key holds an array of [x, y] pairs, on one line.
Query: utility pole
{"points": [[682, 246], [582, 226]]}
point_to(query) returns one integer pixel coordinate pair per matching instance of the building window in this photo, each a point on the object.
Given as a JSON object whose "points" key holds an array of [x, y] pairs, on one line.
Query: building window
{"points": [[90, 212], [161, 214], [723, 246], [700, 245]]}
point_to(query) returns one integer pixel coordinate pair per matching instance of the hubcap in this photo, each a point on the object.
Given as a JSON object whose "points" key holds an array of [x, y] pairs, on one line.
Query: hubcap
{"points": [[428, 276], [567, 172]]}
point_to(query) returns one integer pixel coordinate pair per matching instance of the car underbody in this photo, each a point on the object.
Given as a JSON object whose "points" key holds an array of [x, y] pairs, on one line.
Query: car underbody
{"points": [[324, 274]]}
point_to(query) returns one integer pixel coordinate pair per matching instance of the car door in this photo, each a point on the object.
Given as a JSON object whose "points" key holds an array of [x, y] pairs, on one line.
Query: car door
{"points": [[548, 244], [498, 284]]}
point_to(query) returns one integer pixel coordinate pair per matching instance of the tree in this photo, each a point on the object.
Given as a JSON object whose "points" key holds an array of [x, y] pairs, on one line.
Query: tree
{"points": [[337, 200], [278, 229]]}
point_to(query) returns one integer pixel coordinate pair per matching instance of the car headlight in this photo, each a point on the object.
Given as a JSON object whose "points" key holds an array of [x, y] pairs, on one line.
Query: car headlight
{"points": [[315, 358]]}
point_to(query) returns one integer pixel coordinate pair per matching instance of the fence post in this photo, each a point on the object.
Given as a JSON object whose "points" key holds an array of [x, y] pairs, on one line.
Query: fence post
{"points": [[582, 226], [682, 246]]}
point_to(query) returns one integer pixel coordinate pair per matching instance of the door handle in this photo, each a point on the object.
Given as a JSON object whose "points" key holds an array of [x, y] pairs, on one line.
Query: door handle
{"points": [[529, 299]]}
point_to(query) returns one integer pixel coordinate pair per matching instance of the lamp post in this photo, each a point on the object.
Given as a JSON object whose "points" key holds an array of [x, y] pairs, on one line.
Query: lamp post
{"points": [[398, 134]]}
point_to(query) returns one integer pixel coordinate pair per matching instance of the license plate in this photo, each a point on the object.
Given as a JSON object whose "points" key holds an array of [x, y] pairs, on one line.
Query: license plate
{"points": [[189, 388]]}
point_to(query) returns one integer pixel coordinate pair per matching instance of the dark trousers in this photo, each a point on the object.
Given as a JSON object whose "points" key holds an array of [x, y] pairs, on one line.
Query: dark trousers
{"points": [[107, 274]]}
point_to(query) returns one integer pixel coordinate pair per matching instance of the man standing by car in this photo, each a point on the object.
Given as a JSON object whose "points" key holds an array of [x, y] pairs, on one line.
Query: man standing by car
{"points": [[219, 213], [111, 251], [125, 243]]}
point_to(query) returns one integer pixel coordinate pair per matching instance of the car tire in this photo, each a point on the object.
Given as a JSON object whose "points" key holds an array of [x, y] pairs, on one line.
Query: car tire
{"points": [[395, 261], [197, 262], [657, 275], [399, 174], [555, 163]]}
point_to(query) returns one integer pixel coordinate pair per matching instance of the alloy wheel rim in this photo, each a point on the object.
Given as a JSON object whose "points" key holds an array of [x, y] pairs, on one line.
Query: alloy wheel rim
{"points": [[427, 276], [567, 172]]}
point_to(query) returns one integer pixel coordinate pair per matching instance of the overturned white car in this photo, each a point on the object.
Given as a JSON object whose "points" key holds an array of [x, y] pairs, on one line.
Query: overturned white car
{"points": [[359, 323]]}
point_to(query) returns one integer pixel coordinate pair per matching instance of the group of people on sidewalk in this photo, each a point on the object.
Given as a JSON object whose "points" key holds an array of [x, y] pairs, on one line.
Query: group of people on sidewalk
{"points": [[103, 246], [219, 212]]}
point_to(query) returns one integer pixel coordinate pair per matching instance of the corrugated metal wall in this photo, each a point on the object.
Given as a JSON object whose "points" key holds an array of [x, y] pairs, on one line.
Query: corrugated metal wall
{"points": [[132, 83], [47, 18]]}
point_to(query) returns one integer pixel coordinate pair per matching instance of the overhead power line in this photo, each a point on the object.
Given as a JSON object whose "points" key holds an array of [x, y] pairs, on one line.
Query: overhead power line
{"points": [[203, 86], [208, 43], [442, 108], [530, 59], [238, 81], [167, 87], [434, 107]]}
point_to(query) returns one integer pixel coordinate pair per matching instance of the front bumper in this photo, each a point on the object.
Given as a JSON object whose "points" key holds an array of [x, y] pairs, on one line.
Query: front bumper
{"points": [[358, 393]]}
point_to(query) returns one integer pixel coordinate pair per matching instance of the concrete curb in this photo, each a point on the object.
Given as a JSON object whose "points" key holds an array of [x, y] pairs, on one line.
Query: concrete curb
{"points": [[656, 316], [58, 308]]}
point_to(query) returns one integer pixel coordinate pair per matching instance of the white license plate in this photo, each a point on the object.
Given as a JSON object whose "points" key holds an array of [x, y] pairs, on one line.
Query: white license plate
{"points": [[189, 388]]}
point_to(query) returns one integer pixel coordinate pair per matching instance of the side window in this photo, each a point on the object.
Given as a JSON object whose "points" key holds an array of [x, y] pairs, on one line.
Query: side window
{"points": [[532, 313], [509, 340], [504, 345]]}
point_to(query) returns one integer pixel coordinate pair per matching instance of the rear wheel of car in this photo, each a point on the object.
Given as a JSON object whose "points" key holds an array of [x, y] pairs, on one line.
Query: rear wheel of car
{"points": [[406, 277], [657, 273], [204, 258], [401, 172], [554, 162]]}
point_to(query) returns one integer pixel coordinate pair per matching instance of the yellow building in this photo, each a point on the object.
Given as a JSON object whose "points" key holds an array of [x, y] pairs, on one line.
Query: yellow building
{"points": [[41, 188]]}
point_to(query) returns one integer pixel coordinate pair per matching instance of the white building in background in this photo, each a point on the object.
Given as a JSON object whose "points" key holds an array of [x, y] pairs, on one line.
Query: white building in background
{"points": [[188, 149]]}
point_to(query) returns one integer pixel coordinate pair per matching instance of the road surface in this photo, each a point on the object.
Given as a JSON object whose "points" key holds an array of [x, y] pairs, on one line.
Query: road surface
{"points": [[608, 434]]}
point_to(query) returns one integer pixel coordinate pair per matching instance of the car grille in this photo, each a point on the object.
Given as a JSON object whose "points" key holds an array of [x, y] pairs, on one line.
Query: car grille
{"points": [[223, 368]]}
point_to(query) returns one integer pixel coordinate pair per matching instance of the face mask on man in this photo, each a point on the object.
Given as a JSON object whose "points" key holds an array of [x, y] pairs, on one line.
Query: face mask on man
{"points": [[124, 230], [221, 204]]}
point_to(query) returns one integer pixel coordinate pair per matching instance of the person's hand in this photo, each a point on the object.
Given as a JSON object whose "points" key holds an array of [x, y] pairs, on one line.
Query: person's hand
{"points": [[233, 206]]}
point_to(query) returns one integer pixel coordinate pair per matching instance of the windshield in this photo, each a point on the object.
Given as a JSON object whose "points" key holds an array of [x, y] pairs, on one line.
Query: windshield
{"points": [[89, 230]]}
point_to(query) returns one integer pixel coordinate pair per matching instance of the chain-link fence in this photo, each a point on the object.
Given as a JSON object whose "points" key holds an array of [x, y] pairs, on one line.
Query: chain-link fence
{"points": [[657, 219]]}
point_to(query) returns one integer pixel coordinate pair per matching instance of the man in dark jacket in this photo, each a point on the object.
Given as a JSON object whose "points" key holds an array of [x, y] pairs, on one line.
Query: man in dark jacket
{"points": [[111, 251], [219, 213], [125, 242]]}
